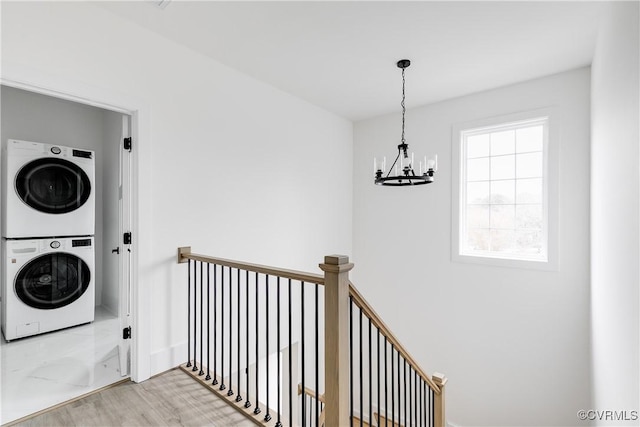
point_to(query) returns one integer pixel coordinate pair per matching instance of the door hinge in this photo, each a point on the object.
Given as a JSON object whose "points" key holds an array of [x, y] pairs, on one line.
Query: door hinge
{"points": [[127, 143], [126, 333], [127, 238]]}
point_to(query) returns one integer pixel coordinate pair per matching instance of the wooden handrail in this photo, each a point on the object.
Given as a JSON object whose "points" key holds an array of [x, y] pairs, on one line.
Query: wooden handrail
{"points": [[359, 300], [184, 254], [310, 392]]}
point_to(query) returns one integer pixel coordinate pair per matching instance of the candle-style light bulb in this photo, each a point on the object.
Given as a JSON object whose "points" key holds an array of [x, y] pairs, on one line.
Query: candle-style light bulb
{"points": [[432, 163]]}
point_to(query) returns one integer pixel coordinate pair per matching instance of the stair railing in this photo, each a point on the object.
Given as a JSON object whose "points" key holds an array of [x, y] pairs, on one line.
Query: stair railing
{"points": [[398, 391], [255, 339]]}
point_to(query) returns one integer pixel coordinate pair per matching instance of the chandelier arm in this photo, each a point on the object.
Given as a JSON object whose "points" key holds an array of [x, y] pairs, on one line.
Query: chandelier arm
{"points": [[394, 163]]}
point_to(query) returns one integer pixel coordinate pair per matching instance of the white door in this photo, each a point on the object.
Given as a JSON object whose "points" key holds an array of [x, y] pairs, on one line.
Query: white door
{"points": [[124, 265]]}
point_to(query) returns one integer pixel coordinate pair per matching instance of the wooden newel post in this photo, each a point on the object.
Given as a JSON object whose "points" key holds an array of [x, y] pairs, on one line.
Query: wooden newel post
{"points": [[182, 251], [336, 334], [438, 401]]}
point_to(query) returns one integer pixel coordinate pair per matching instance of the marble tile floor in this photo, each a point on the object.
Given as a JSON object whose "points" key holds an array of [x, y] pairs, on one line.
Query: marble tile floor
{"points": [[44, 370]]}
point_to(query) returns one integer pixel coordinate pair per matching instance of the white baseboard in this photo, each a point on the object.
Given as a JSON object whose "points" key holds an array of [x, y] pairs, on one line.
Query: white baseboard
{"points": [[168, 358]]}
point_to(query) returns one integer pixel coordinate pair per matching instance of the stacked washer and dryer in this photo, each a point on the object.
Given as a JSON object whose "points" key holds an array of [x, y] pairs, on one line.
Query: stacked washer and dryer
{"points": [[48, 226]]}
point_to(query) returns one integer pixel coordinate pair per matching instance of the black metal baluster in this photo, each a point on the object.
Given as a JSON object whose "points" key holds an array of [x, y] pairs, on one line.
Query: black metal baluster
{"points": [[304, 407], [351, 357], [416, 378], [419, 400], [378, 372], [427, 403], [393, 388], [222, 386], [195, 315], [386, 376], [215, 323], [317, 369], [290, 367], [425, 398], [257, 408], [427, 411], [247, 402], [278, 423], [267, 417], [201, 319], [431, 412], [423, 403], [370, 379], [239, 393], [360, 338], [230, 392], [422, 406], [404, 378], [189, 313], [415, 397], [208, 377], [399, 392], [427, 389], [412, 385], [411, 424]]}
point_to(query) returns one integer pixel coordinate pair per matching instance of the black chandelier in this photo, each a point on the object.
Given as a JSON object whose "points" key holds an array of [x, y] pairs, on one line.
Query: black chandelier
{"points": [[402, 166]]}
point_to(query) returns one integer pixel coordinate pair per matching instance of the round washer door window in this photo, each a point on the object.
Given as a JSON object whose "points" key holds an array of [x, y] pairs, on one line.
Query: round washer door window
{"points": [[52, 185], [52, 281]]}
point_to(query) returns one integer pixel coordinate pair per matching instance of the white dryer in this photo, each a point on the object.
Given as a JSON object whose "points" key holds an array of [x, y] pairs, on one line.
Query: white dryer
{"points": [[48, 190], [47, 284]]}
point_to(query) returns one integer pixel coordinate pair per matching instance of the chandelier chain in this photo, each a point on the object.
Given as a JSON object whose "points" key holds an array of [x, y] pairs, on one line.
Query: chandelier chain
{"points": [[403, 107]]}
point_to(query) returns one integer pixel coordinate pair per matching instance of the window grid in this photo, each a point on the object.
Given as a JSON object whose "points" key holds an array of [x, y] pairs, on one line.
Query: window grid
{"points": [[519, 231]]}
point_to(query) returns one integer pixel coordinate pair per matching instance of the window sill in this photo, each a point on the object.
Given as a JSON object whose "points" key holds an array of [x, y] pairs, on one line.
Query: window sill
{"points": [[490, 261]]}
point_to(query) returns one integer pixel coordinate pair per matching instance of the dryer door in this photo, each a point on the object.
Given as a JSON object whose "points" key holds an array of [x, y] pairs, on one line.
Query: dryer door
{"points": [[53, 185], [52, 281]]}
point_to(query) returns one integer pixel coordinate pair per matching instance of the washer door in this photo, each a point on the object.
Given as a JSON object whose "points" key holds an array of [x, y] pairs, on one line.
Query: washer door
{"points": [[53, 185], [52, 281]]}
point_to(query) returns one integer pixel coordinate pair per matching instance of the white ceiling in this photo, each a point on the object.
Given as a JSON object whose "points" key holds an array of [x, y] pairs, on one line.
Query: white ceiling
{"points": [[341, 55]]}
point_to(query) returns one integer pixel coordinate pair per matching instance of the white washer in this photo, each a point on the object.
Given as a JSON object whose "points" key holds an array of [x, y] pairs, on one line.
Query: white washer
{"points": [[47, 284], [48, 190]]}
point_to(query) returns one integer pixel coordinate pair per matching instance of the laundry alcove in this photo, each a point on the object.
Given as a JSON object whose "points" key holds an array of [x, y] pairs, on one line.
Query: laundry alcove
{"points": [[69, 362]]}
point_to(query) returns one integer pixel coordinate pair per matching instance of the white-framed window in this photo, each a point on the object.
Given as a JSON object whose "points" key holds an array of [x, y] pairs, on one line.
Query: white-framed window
{"points": [[505, 191]]}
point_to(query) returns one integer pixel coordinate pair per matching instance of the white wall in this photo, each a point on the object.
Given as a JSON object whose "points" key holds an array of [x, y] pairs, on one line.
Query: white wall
{"points": [[236, 168], [514, 343], [615, 239]]}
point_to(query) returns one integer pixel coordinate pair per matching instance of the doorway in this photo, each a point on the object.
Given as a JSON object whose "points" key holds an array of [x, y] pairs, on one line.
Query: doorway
{"points": [[42, 370]]}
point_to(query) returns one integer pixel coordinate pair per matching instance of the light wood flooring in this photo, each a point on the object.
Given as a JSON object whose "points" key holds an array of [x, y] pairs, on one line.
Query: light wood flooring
{"points": [[170, 399]]}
